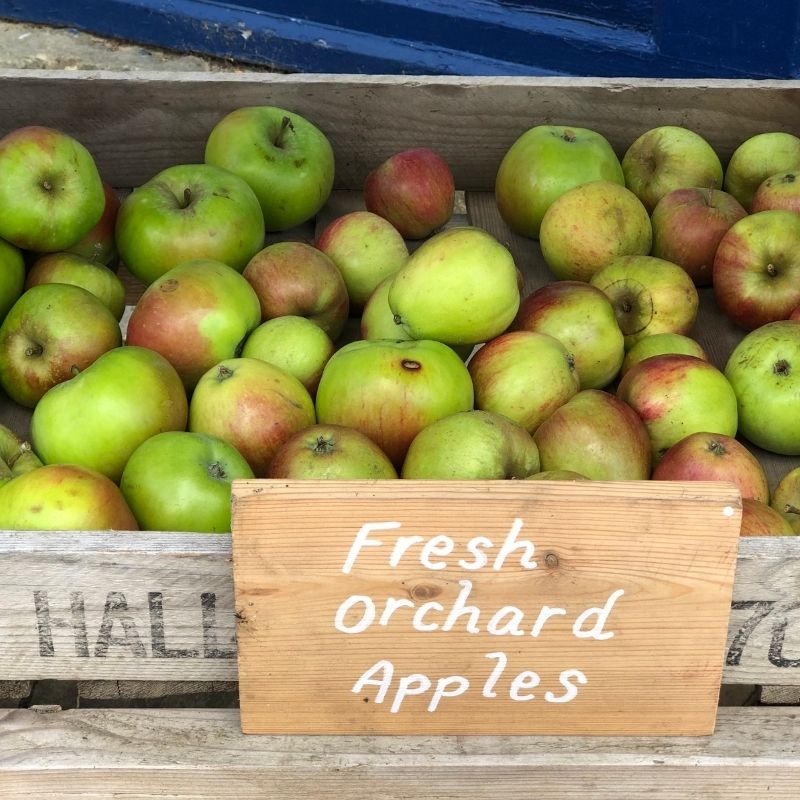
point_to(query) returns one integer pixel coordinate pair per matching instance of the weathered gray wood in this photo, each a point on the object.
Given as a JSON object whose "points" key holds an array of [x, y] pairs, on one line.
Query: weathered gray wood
{"points": [[201, 754], [138, 123]]}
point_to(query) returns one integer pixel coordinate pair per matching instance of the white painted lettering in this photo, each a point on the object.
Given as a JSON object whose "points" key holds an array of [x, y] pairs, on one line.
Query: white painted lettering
{"points": [[544, 615], [459, 609], [383, 683], [440, 545], [511, 544], [460, 684], [362, 540], [498, 627], [367, 616], [488, 687], [392, 604], [572, 690], [596, 632], [480, 559], [525, 680], [401, 547], [419, 616], [409, 686]]}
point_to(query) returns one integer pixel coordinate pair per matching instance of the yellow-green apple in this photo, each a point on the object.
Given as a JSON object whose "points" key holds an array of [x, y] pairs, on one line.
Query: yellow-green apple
{"points": [[755, 159], [667, 158], [786, 498], [557, 475], [295, 344], [649, 296], [781, 191], [471, 445], [688, 225], [331, 452], [390, 390], [459, 287], [99, 417], [377, 319], [12, 276], [51, 194], [187, 212], [366, 248], [676, 395], [542, 164], [16, 456], [757, 269], [181, 481], [296, 279], [596, 435], [79, 271], [49, 334], [252, 405], [414, 189], [582, 318], [759, 519], [660, 344], [764, 371], [196, 315], [64, 497], [524, 376], [714, 457], [99, 244], [286, 160], [591, 225]]}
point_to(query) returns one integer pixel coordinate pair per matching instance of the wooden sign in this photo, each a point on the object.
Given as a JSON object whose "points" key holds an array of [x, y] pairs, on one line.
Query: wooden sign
{"points": [[513, 607]]}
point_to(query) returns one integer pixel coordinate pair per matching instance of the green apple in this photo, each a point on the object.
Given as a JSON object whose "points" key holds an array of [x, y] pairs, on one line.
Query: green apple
{"points": [[377, 318], [471, 445], [79, 271], [16, 456], [12, 276], [591, 225], [390, 390], [187, 212], [660, 344], [99, 417], [286, 160], [51, 194], [545, 162], [786, 498], [459, 287], [181, 481], [295, 344]]}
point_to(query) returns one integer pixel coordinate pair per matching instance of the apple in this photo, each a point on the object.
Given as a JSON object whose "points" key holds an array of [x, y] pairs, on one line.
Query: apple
{"points": [[196, 315], [757, 269], [366, 249], [459, 287], [542, 164], [596, 435], [79, 271], [51, 193], [714, 457], [591, 225], [295, 344], [795, 315], [64, 497], [557, 475], [49, 334], [330, 452], [181, 481], [667, 158], [582, 318], [99, 244], [756, 159], [764, 371], [471, 445], [649, 296], [660, 344], [786, 498], [524, 376], [253, 406], [759, 519], [781, 191], [390, 390], [187, 212], [688, 225], [413, 189], [676, 395], [378, 320], [16, 456], [296, 279], [12, 277], [99, 417], [285, 158]]}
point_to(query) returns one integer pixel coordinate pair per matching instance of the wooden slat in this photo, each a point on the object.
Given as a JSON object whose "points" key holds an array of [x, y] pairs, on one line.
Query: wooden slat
{"points": [[201, 754], [176, 590], [139, 123]]}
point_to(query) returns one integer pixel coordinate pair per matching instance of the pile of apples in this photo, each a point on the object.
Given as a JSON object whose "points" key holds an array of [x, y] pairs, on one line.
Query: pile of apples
{"points": [[237, 362]]}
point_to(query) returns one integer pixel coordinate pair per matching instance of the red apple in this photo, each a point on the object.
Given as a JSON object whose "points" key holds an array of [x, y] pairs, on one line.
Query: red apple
{"points": [[688, 225], [757, 269], [781, 191], [759, 519], [795, 315], [714, 457], [414, 190], [99, 245], [296, 279]]}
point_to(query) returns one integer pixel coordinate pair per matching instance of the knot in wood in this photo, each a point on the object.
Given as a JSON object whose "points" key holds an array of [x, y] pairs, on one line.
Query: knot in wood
{"points": [[424, 591]]}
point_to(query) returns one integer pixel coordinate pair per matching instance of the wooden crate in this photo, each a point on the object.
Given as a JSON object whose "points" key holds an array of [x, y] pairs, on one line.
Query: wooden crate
{"points": [[155, 607]]}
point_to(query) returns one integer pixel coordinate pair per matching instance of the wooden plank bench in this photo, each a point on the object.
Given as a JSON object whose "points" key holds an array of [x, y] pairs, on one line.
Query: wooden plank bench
{"points": [[151, 609]]}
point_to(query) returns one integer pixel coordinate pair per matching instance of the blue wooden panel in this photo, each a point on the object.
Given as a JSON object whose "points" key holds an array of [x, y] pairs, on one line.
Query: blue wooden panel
{"points": [[669, 38]]}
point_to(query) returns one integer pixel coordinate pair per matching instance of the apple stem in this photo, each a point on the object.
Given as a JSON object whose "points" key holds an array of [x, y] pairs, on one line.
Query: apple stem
{"points": [[710, 195], [323, 445], [286, 124], [187, 197], [216, 471], [26, 461], [790, 509], [223, 373]]}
